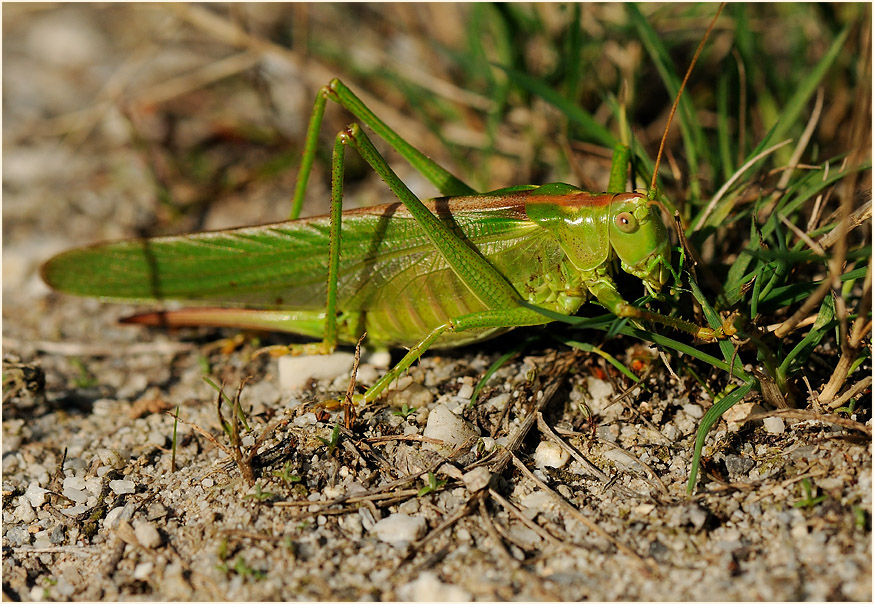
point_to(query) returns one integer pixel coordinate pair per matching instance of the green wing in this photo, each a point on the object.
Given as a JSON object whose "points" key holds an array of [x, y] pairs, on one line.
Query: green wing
{"points": [[385, 257]]}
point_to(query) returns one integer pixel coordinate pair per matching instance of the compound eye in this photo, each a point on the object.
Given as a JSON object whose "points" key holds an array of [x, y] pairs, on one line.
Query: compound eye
{"points": [[626, 222]]}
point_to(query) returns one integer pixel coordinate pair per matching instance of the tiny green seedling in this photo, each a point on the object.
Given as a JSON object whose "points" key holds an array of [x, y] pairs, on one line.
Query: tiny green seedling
{"points": [[334, 440], [241, 568], [432, 485], [285, 474], [405, 411], [259, 495], [810, 500]]}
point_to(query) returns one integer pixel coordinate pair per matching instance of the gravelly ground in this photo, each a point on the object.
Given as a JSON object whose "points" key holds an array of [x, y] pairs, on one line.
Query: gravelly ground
{"points": [[92, 510]]}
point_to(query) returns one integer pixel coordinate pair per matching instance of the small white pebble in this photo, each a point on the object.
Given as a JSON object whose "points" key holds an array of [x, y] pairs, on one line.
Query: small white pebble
{"points": [[143, 571], [643, 509], [333, 492], [381, 359], [157, 438], [122, 487], [35, 494], [296, 371], [147, 534], [112, 458], [75, 510], [550, 454], [774, 425], [400, 529], [207, 483], [693, 410], [75, 495], [446, 426], [25, 512], [307, 419], [536, 502], [112, 517], [477, 479], [465, 392], [621, 459], [428, 588], [74, 482], [600, 392]]}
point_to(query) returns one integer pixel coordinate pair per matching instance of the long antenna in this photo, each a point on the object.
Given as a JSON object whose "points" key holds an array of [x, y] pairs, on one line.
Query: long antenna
{"points": [[655, 171]]}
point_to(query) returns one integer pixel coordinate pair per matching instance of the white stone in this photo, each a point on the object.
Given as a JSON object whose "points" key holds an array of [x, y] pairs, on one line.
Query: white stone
{"points": [[536, 502], [774, 425], [428, 588], [332, 492], [550, 454], [25, 512], [465, 392], [74, 482], [75, 495], [693, 410], [122, 487], [621, 459], [643, 509], [307, 419], [296, 371], [112, 517], [736, 414], [143, 571], [35, 494], [600, 392], [75, 510], [381, 359], [147, 534], [112, 457], [157, 438], [448, 427], [477, 479], [400, 529]]}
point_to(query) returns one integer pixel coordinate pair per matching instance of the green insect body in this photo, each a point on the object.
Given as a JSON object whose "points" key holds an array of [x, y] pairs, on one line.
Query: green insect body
{"points": [[450, 271], [554, 249]]}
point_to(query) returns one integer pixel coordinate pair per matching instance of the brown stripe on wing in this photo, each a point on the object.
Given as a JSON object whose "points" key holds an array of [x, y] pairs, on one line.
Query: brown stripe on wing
{"points": [[583, 199]]}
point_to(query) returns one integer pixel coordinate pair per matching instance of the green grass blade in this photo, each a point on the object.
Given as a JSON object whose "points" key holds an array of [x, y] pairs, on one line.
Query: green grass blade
{"points": [[586, 347], [590, 127], [710, 418]]}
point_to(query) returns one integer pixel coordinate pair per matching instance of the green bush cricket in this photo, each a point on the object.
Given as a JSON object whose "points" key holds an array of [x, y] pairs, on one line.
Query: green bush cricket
{"points": [[445, 272]]}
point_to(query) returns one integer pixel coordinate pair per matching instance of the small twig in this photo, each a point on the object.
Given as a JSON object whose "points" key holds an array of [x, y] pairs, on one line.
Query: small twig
{"points": [[542, 532], [812, 416], [860, 386], [813, 245], [587, 522], [376, 440], [734, 177], [806, 308], [548, 433], [205, 434], [491, 531], [653, 479], [349, 406], [858, 217]]}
